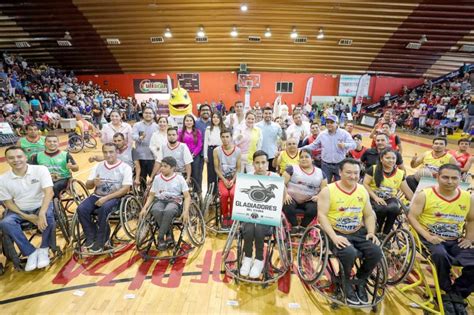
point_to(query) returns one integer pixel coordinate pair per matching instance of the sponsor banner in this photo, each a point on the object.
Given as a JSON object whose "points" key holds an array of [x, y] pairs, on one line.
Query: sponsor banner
{"points": [[362, 88], [189, 81], [348, 85], [307, 94], [150, 86], [258, 199]]}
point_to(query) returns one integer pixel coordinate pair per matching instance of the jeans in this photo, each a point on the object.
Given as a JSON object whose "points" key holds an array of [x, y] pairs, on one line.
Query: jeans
{"points": [[11, 226], [469, 120], [310, 210], [164, 212], [97, 232], [226, 199], [445, 255], [254, 233], [331, 169], [386, 215], [371, 254]]}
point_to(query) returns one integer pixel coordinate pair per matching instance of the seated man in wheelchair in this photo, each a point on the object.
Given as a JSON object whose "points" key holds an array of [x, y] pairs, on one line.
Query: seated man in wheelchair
{"points": [[255, 233], [169, 194], [430, 161], [345, 214], [179, 151], [439, 215], [303, 184], [382, 182], [59, 163], [124, 152], [27, 191], [112, 180], [227, 165]]}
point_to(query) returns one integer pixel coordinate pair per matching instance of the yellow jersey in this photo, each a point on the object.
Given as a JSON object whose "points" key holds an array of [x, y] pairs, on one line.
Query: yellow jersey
{"points": [[389, 185], [432, 163], [346, 208], [287, 160], [443, 217]]}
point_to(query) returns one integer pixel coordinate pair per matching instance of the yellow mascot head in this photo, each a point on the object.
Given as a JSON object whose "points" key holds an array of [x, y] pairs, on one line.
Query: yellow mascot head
{"points": [[180, 103]]}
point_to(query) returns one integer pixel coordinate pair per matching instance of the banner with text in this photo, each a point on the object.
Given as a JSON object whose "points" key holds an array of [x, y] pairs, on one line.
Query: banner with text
{"points": [[258, 199]]}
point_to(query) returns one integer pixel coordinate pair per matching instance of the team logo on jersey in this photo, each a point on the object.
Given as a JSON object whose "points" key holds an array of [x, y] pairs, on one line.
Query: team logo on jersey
{"points": [[260, 193]]}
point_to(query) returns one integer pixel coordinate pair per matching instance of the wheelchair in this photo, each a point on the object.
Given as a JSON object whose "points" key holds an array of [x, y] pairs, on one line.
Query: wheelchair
{"points": [[278, 255], [77, 142], [189, 236], [121, 235], [66, 205], [320, 270], [13, 255]]}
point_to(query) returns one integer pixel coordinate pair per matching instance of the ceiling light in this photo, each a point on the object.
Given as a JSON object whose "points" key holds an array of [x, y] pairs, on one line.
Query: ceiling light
{"points": [[320, 34], [168, 33], [234, 32], [244, 8], [293, 34], [200, 32], [268, 33]]}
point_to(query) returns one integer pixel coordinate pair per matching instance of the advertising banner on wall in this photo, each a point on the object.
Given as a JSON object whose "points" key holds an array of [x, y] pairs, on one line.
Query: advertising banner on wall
{"points": [[258, 199], [348, 85]]}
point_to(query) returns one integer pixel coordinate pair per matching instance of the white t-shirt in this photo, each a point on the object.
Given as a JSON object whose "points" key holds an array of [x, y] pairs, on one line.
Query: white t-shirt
{"points": [[27, 191], [112, 177], [169, 188]]}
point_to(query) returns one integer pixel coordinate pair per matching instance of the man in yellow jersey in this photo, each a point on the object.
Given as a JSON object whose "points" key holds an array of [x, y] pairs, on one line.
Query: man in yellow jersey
{"points": [[431, 161], [439, 214], [345, 214]]}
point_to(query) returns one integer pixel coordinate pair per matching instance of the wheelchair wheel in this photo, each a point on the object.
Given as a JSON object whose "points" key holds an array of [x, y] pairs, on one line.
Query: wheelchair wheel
{"points": [[129, 213], [61, 219], [145, 235], [312, 256], [196, 228], [75, 144], [90, 142], [78, 191], [400, 251]]}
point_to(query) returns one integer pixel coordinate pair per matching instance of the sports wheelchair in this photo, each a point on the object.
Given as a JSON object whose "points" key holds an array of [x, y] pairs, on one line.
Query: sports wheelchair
{"points": [[322, 271], [189, 236], [278, 255], [124, 227]]}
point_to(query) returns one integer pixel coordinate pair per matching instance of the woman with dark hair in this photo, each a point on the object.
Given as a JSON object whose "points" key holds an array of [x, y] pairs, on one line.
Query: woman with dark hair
{"points": [[212, 139], [303, 184], [382, 182], [192, 137]]}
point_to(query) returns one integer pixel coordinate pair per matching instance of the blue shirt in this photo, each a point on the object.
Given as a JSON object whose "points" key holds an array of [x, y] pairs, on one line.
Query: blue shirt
{"points": [[330, 152], [202, 125], [270, 134]]}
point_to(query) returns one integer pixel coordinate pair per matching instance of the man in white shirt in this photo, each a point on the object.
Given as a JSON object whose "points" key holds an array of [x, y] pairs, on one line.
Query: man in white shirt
{"points": [[27, 192], [299, 129], [111, 180]]}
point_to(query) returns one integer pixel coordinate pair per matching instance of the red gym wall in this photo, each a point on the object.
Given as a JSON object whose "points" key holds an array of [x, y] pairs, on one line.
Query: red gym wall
{"points": [[216, 86]]}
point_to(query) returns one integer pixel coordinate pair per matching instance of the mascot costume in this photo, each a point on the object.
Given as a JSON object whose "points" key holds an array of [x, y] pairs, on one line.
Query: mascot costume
{"points": [[179, 104]]}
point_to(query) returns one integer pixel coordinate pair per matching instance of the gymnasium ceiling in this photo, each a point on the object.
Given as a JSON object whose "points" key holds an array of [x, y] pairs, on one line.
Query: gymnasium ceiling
{"points": [[379, 31]]}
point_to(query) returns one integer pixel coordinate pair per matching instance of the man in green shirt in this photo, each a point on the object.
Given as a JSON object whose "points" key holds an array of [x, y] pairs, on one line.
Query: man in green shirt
{"points": [[59, 163], [33, 143]]}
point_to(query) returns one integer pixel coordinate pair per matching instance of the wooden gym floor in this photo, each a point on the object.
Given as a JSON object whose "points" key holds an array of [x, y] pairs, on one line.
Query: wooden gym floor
{"points": [[125, 283]]}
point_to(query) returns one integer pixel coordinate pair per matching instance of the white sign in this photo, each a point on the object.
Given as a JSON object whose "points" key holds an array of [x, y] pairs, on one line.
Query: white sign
{"points": [[258, 199], [348, 85]]}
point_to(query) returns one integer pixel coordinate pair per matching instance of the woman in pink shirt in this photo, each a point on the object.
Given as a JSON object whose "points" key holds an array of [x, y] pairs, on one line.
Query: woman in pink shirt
{"points": [[192, 137]]}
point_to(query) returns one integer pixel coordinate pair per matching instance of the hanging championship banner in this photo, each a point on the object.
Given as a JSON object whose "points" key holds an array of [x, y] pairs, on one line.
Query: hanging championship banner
{"points": [[258, 199]]}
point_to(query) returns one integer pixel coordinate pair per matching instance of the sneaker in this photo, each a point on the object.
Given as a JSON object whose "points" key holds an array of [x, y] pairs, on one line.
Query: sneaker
{"points": [[96, 248], [257, 269], [32, 262], [43, 257], [246, 265], [162, 246], [362, 293], [351, 296]]}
